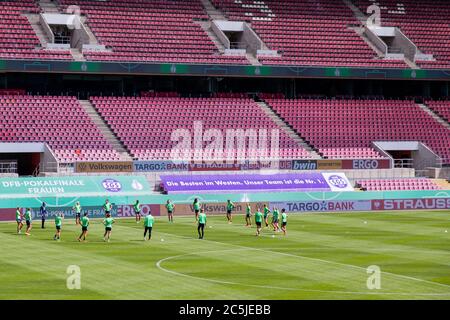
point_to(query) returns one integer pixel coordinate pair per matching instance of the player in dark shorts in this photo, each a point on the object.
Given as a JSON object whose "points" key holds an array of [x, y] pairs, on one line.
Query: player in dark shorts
{"points": [[258, 221], [197, 206], [275, 219], [266, 215], [248, 215], [148, 225], [77, 209], [108, 222], [230, 207], [84, 227], [19, 218], [28, 221], [283, 221], [107, 207], [170, 209], [137, 211], [58, 224], [201, 224]]}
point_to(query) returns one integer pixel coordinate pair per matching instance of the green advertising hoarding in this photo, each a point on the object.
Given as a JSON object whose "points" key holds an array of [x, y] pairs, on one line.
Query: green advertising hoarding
{"points": [[73, 186]]}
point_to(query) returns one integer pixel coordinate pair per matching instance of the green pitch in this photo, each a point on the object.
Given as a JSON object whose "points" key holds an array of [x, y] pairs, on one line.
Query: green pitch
{"points": [[324, 256]]}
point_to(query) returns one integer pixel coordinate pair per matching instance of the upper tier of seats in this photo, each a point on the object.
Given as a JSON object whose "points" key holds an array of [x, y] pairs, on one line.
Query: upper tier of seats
{"points": [[346, 128], [17, 38], [59, 121], [145, 125], [307, 32], [151, 31], [424, 22]]}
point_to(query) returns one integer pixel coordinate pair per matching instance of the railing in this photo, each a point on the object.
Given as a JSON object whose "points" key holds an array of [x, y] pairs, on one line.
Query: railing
{"points": [[403, 163], [62, 40], [395, 50], [238, 45], [8, 167]]}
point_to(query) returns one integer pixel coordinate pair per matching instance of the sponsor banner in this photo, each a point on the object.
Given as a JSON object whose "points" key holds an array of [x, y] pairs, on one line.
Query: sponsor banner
{"points": [[411, 204], [214, 166], [158, 166], [74, 185], [329, 164], [245, 166], [8, 214], [337, 181], [107, 166], [364, 164], [219, 208], [304, 165], [119, 211], [323, 206], [256, 182]]}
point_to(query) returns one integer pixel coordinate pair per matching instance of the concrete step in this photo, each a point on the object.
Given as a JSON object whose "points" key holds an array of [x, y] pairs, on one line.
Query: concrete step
{"points": [[436, 116], [105, 130], [213, 12], [77, 55], [253, 60], [289, 131], [92, 37], [206, 26], [33, 19]]}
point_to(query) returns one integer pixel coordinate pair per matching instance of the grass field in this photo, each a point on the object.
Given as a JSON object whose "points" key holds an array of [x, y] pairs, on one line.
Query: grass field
{"points": [[324, 256]]}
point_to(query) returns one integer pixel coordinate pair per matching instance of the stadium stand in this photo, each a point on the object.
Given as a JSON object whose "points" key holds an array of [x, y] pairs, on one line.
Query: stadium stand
{"points": [[151, 31], [59, 121], [414, 19], [397, 184], [346, 128], [442, 108], [18, 39], [145, 124], [308, 33]]}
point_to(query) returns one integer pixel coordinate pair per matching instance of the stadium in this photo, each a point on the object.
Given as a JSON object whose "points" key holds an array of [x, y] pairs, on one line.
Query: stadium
{"points": [[224, 149]]}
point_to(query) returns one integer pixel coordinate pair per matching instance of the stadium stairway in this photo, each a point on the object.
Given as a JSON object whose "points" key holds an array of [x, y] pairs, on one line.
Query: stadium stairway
{"points": [[213, 12], [436, 116], [105, 130], [33, 19], [48, 6], [206, 26], [281, 124]]}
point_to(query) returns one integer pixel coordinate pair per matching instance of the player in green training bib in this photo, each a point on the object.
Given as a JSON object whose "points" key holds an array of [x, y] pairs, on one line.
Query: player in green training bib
{"points": [[248, 215], [137, 211], [108, 222], [77, 209], [258, 221], [230, 207], [19, 218], [275, 218], [148, 225], [201, 224], [266, 215], [283, 221], [196, 206], [170, 209], [107, 207], [84, 221], [58, 224], [28, 221]]}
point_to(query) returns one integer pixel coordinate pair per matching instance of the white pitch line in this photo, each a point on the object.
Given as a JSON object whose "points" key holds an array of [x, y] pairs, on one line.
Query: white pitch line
{"points": [[336, 263], [158, 265]]}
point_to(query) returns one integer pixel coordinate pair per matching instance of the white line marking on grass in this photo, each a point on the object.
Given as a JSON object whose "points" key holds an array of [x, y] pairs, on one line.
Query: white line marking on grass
{"points": [[158, 265], [336, 263]]}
